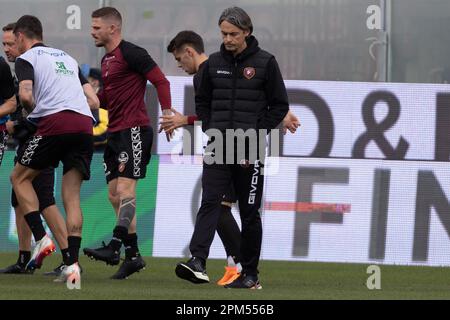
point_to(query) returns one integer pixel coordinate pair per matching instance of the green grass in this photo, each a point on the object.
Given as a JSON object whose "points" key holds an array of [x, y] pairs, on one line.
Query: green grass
{"points": [[280, 280]]}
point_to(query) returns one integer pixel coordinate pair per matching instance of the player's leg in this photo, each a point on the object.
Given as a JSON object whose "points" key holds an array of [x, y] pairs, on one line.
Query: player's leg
{"points": [[216, 180], [23, 230], [57, 226], [24, 238], [77, 161], [230, 234], [126, 159], [71, 187], [137, 144], [113, 196], [114, 199], [44, 185], [111, 165], [21, 179], [248, 183]]}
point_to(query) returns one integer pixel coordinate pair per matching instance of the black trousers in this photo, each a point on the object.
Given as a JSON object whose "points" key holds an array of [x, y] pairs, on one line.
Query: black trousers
{"points": [[229, 233], [248, 182]]}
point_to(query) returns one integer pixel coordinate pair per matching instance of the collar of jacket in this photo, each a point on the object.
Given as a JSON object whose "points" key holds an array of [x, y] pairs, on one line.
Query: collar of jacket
{"points": [[252, 48]]}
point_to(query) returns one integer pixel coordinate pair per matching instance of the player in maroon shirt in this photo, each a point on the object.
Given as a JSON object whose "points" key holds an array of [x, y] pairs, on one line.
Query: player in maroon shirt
{"points": [[125, 71]]}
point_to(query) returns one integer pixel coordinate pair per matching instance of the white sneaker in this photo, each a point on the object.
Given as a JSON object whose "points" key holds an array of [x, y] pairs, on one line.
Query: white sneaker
{"points": [[70, 274], [43, 248]]}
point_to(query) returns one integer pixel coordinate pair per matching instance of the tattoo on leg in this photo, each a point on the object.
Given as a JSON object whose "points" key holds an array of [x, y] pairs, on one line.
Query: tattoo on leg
{"points": [[127, 211]]}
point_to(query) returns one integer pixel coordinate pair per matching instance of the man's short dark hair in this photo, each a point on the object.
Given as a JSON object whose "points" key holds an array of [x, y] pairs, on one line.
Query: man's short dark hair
{"points": [[107, 12], [30, 26], [96, 74], [237, 17], [186, 38], [9, 27]]}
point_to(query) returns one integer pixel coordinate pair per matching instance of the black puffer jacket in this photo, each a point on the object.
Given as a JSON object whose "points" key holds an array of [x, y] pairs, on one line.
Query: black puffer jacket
{"points": [[242, 92]]}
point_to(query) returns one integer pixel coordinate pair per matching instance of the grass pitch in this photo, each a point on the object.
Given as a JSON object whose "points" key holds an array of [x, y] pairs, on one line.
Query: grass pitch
{"points": [[280, 281]]}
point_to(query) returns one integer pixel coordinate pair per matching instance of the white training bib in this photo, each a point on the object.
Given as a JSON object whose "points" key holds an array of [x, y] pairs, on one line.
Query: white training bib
{"points": [[56, 85]]}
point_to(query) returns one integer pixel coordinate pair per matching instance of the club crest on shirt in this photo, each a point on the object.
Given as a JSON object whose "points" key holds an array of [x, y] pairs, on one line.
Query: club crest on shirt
{"points": [[249, 72]]}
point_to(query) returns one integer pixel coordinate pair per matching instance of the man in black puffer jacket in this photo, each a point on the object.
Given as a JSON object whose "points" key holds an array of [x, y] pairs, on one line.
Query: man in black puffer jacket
{"points": [[240, 88]]}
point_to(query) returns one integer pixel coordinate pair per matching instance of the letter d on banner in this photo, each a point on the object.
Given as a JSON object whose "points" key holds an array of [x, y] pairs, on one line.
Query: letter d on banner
{"points": [[374, 281]]}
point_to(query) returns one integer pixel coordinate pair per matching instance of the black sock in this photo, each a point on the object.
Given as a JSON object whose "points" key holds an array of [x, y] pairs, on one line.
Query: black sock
{"points": [[24, 258], [131, 246], [34, 221], [119, 235], [66, 256], [202, 261], [74, 248]]}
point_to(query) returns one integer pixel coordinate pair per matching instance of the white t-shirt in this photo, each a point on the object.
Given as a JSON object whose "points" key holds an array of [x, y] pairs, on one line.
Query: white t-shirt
{"points": [[56, 83]]}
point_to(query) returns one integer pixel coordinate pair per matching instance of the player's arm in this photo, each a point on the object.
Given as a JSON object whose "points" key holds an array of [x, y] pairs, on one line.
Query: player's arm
{"points": [[8, 107], [102, 98], [141, 62], [7, 91], [91, 96], [25, 76], [162, 85], [26, 95], [203, 96], [89, 92], [175, 121], [278, 104], [290, 122]]}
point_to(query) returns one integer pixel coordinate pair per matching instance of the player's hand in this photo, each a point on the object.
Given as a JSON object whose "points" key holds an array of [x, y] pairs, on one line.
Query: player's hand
{"points": [[174, 121], [290, 122], [10, 127], [169, 134]]}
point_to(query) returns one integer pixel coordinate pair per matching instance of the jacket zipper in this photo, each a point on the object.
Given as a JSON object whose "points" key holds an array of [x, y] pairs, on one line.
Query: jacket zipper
{"points": [[233, 94]]}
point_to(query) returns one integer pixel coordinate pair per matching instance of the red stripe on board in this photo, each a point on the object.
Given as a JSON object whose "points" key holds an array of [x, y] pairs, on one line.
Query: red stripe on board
{"points": [[308, 207]]}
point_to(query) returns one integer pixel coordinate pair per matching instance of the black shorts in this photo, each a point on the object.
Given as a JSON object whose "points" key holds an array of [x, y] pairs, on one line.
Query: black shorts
{"points": [[43, 185], [128, 153], [74, 150], [3, 138]]}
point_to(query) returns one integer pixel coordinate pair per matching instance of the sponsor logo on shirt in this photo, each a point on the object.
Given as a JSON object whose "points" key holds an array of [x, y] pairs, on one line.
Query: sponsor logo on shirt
{"points": [[62, 70], [53, 54]]}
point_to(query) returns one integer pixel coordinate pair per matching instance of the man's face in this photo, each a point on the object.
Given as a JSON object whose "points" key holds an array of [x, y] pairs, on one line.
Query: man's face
{"points": [[101, 31], [94, 83], [233, 37], [10, 46], [185, 59], [20, 42]]}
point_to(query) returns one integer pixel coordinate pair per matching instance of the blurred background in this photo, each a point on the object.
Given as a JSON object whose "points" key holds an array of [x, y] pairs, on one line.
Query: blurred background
{"points": [[312, 39], [339, 54]]}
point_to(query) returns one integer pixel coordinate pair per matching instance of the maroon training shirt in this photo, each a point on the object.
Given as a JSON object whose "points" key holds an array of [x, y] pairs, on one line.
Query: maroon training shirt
{"points": [[125, 72]]}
